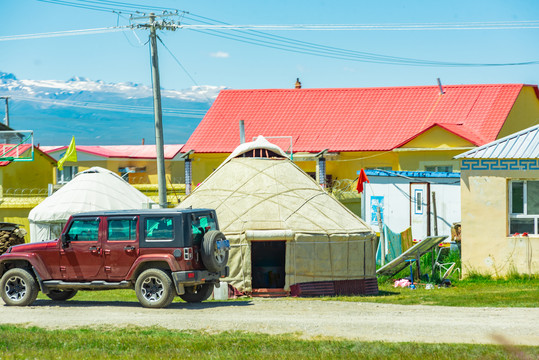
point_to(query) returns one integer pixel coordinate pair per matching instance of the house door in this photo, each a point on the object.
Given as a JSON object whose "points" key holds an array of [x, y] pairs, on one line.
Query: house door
{"points": [[419, 210], [268, 261]]}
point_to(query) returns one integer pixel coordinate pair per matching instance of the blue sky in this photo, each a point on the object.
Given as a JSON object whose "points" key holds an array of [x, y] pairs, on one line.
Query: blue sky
{"points": [[209, 60]]}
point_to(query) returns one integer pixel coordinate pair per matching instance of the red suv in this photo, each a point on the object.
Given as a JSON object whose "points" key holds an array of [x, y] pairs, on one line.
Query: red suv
{"points": [[160, 253]]}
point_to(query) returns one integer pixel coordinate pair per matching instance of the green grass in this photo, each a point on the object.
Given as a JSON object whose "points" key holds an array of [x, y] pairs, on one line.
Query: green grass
{"points": [[476, 291], [19, 342], [464, 293]]}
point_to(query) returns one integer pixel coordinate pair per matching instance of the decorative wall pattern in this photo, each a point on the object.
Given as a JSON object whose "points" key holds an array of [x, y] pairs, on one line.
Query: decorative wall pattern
{"points": [[499, 164]]}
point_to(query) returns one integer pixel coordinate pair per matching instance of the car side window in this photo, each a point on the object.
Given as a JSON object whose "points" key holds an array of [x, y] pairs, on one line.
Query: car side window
{"points": [[84, 230], [159, 229], [122, 229]]}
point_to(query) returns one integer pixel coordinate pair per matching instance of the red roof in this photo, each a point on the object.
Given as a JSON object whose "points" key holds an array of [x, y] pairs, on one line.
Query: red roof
{"points": [[13, 150], [121, 151], [355, 119]]}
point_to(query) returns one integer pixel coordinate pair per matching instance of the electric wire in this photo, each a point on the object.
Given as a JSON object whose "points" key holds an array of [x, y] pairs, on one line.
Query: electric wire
{"points": [[64, 33], [113, 107], [242, 33], [180, 64]]}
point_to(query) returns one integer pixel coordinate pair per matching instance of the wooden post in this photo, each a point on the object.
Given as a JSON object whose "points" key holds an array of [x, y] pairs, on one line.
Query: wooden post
{"points": [[382, 240], [435, 214]]}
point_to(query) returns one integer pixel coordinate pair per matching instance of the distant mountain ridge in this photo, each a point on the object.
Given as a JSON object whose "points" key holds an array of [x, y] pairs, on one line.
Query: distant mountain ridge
{"points": [[100, 113]]}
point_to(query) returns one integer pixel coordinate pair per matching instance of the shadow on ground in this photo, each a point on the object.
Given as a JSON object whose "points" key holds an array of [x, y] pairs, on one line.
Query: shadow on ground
{"points": [[134, 304]]}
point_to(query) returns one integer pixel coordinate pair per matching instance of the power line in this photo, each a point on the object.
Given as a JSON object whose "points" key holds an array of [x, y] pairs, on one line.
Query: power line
{"points": [[250, 34], [375, 27], [113, 107], [64, 33], [180, 64]]}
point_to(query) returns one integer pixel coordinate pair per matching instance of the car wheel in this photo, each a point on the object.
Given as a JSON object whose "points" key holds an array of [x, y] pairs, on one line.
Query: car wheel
{"points": [[198, 293], [154, 289], [61, 295], [214, 253], [18, 287]]}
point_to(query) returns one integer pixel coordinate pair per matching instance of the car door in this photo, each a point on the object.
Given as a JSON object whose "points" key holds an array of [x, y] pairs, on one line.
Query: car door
{"points": [[82, 259], [120, 247]]}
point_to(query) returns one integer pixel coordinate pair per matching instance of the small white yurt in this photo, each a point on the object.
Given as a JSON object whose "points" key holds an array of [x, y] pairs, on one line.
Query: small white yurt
{"points": [[285, 230], [94, 189]]}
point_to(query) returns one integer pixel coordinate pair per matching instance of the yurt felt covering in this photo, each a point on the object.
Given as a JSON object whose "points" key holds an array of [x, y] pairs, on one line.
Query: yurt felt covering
{"points": [[258, 199], [94, 189]]}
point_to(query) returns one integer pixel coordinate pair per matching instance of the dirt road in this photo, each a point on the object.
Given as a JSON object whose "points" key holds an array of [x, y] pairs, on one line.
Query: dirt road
{"points": [[309, 318]]}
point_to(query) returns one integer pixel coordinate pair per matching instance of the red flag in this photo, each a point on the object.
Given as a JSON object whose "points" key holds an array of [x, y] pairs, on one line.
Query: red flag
{"points": [[360, 180]]}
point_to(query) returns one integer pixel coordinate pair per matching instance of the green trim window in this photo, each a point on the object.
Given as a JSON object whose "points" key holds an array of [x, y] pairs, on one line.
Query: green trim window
{"points": [[523, 207]]}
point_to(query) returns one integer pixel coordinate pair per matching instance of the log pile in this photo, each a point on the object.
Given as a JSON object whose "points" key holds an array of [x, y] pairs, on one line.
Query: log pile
{"points": [[10, 235]]}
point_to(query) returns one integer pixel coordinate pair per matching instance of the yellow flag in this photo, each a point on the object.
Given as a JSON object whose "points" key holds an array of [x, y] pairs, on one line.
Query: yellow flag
{"points": [[70, 155]]}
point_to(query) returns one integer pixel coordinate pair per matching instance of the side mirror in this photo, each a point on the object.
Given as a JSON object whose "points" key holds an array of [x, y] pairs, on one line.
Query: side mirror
{"points": [[65, 240]]}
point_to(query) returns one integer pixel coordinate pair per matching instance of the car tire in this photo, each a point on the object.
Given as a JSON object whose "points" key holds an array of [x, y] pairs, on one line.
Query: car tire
{"points": [[18, 287], [214, 259], [198, 293], [154, 289], [61, 295]]}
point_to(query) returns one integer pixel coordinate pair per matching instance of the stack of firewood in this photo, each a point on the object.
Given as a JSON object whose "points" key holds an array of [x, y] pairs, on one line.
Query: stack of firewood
{"points": [[9, 236]]}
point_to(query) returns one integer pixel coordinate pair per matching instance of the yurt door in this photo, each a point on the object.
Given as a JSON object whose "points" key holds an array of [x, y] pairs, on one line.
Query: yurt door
{"points": [[268, 261], [419, 210]]}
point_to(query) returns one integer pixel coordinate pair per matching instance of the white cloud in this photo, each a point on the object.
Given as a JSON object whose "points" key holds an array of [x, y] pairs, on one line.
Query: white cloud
{"points": [[220, 54]]}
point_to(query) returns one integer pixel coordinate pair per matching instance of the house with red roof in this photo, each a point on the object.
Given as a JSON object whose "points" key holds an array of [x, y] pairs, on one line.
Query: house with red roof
{"points": [[390, 128], [136, 163]]}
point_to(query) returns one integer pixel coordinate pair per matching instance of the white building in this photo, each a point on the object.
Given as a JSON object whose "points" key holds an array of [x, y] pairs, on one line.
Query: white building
{"points": [[410, 199]]}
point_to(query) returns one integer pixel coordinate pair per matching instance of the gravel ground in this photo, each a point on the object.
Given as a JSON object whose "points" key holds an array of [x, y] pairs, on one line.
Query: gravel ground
{"points": [[307, 318]]}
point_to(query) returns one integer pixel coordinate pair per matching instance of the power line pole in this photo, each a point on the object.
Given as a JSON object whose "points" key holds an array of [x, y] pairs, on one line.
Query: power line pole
{"points": [[158, 113]]}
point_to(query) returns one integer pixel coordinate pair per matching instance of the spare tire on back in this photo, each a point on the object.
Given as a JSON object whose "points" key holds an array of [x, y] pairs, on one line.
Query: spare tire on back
{"points": [[214, 251]]}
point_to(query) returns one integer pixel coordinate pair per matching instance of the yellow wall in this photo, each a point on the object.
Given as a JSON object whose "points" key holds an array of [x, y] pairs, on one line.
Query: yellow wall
{"points": [[28, 175], [524, 114], [16, 210], [417, 160], [486, 244], [204, 164], [437, 137], [174, 169]]}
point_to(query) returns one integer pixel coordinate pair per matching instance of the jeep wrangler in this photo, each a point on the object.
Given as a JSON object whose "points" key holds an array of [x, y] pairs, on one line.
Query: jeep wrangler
{"points": [[159, 253]]}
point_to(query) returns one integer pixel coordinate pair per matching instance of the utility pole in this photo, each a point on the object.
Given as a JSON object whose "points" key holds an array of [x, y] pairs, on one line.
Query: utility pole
{"points": [[7, 109], [158, 113]]}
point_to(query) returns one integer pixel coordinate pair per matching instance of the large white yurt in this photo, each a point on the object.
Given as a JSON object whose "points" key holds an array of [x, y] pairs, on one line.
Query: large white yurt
{"points": [[285, 230], [94, 189]]}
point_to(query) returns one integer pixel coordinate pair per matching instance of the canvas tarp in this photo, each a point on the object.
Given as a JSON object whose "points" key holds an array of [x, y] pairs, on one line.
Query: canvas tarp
{"points": [[94, 189], [260, 199]]}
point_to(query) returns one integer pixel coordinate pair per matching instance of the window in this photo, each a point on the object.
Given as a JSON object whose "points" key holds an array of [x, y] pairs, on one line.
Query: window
{"points": [[200, 225], [524, 207], [122, 229], [159, 229], [84, 230], [418, 201], [66, 175], [439, 168]]}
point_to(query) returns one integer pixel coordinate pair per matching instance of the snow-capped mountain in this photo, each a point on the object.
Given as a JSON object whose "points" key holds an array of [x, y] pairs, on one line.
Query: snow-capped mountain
{"points": [[99, 113]]}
